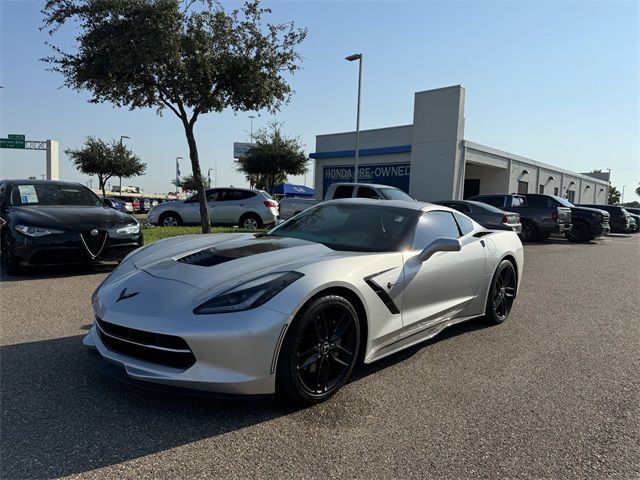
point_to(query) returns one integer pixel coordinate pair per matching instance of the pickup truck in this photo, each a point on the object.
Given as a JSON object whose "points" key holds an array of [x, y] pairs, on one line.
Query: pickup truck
{"points": [[537, 222], [290, 206], [586, 223]]}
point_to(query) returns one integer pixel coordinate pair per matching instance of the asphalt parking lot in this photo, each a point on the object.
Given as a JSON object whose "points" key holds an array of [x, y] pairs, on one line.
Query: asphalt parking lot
{"points": [[552, 393]]}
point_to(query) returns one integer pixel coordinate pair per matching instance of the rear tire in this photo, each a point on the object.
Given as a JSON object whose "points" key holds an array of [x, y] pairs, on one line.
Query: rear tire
{"points": [[502, 293], [170, 219], [319, 352], [250, 221]]}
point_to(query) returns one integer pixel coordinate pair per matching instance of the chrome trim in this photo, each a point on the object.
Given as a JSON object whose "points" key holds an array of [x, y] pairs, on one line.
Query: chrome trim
{"points": [[164, 349], [86, 247]]}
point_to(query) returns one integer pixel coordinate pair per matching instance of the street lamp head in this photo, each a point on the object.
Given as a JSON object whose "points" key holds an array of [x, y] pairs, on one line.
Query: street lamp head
{"points": [[355, 56]]}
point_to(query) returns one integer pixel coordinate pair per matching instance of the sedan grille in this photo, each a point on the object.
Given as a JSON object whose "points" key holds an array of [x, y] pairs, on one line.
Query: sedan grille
{"points": [[93, 242], [151, 347]]}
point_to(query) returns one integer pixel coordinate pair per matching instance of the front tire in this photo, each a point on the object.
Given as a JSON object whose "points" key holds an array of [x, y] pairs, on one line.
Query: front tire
{"points": [[319, 352], [10, 263], [529, 232], [579, 233], [502, 293]]}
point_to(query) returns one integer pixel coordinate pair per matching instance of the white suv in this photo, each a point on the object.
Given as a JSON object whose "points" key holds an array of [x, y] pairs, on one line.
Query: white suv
{"points": [[227, 206]]}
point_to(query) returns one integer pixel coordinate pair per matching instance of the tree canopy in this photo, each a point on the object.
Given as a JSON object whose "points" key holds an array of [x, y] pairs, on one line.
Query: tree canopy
{"points": [[273, 157], [614, 196], [106, 160], [191, 57]]}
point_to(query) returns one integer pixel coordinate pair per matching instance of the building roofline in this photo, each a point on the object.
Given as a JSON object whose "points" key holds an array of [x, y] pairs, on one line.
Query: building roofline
{"points": [[352, 132]]}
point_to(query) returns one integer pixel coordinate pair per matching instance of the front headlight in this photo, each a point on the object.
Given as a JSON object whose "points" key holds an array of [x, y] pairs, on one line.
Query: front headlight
{"points": [[131, 229], [36, 231], [249, 295]]}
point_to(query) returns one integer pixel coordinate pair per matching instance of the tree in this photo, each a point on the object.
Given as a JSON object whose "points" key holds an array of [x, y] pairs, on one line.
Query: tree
{"points": [[614, 196], [171, 54], [638, 190], [273, 157], [188, 183], [106, 160]]}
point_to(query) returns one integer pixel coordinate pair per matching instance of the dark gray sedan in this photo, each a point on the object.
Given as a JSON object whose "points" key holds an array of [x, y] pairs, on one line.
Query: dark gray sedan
{"points": [[486, 215]]}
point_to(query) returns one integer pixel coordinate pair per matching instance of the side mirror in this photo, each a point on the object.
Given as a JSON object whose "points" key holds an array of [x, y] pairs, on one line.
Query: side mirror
{"points": [[440, 245]]}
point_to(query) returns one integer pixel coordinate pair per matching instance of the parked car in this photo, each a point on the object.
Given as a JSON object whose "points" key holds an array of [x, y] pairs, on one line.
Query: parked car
{"points": [[290, 206], [633, 210], [134, 201], [46, 222], [119, 204], [227, 206], [586, 223], [635, 223], [146, 204], [537, 222], [619, 218], [486, 215], [362, 279]]}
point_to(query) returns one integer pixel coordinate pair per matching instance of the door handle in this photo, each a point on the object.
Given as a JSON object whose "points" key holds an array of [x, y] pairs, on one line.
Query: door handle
{"points": [[482, 242], [389, 285]]}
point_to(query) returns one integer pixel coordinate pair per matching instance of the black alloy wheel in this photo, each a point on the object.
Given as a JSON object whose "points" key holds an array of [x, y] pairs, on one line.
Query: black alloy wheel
{"points": [[529, 232], [502, 293], [579, 233], [319, 352]]}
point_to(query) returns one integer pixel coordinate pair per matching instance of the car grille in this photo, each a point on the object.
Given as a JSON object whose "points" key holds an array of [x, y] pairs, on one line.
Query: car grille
{"points": [[115, 254], [94, 244], [148, 346]]}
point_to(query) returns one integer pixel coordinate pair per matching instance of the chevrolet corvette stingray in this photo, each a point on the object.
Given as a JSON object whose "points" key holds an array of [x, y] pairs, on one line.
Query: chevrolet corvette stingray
{"points": [[293, 310]]}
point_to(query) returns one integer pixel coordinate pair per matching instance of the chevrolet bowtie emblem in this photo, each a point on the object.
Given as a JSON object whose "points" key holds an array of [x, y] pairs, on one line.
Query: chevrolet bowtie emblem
{"points": [[124, 295]]}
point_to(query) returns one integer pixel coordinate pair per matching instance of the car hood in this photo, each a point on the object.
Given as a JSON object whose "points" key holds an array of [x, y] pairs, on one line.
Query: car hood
{"points": [[211, 261], [590, 210], [69, 217]]}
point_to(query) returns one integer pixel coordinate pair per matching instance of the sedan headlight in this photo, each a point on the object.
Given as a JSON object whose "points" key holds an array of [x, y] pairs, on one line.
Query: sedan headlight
{"points": [[249, 295], [36, 231], [131, 229]]}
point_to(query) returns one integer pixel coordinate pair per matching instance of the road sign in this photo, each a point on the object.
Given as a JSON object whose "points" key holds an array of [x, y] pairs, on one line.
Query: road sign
{"points": [[240, 149], [16, 136], [12, 142]]}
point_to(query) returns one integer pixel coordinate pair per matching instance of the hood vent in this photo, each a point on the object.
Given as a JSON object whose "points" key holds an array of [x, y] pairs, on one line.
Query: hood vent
{"points": [[210, 257]]}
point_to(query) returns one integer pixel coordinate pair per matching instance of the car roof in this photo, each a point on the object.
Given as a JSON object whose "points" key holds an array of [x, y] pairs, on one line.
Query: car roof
{"points": [[40, 181], [423, 206], [375, 185]]}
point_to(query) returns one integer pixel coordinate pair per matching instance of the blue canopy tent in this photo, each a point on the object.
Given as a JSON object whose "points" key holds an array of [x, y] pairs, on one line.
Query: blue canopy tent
{"points": [[289, 190]]}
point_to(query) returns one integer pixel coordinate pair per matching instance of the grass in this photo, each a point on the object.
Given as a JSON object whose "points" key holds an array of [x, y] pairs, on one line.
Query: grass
{"points": [[158, 233]]}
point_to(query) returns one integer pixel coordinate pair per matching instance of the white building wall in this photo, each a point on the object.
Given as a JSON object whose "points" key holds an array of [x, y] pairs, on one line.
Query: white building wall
{"points": [[492, 179]]}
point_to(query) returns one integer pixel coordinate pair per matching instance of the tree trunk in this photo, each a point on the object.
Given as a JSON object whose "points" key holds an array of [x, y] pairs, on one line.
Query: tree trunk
{"points": [[197, 177], [102, 184]]}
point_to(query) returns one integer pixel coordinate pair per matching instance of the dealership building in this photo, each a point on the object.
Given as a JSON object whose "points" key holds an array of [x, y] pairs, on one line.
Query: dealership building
{"points": [[431, 160]]}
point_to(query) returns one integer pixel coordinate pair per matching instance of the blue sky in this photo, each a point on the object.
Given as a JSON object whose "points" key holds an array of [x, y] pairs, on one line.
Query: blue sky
{"points": [[553, 81]]}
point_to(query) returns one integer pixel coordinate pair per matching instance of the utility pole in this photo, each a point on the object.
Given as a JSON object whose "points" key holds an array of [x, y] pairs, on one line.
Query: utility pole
{"points": [[121, 137]]}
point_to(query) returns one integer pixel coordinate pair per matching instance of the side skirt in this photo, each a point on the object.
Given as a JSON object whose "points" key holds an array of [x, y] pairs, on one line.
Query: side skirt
{"points": [[415, 338]]}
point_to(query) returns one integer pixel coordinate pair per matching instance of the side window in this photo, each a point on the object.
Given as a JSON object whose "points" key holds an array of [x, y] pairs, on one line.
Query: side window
{"points": [[517, 202], [535, 201], [464, 222], [495, 201], [212, 195], [367, 192], [3, 189], [343, 191], [434, 225], [461, 207]]}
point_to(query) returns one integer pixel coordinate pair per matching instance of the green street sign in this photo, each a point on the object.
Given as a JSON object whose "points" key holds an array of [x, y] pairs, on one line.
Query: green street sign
{"points": [[12, 142], [16, 136]]}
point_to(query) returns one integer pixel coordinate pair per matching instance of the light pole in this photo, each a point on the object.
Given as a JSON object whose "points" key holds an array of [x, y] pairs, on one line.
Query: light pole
{"points": [[351, 58], [177, 174], [209, 177], [622, 199], [121, 137], [251, 131]]}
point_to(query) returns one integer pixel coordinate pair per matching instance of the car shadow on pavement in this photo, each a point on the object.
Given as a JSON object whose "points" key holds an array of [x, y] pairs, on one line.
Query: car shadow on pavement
{"points": [[60, 416]]}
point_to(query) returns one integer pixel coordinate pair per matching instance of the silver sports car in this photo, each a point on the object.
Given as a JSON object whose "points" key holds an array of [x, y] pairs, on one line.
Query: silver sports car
{"points": [[293, 310]]}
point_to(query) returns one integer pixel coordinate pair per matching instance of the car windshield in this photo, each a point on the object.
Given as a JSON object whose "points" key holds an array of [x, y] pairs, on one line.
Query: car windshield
{"points": [[351, 227], [54, 194], [486, 206], [395, 194], [562, 201]]}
